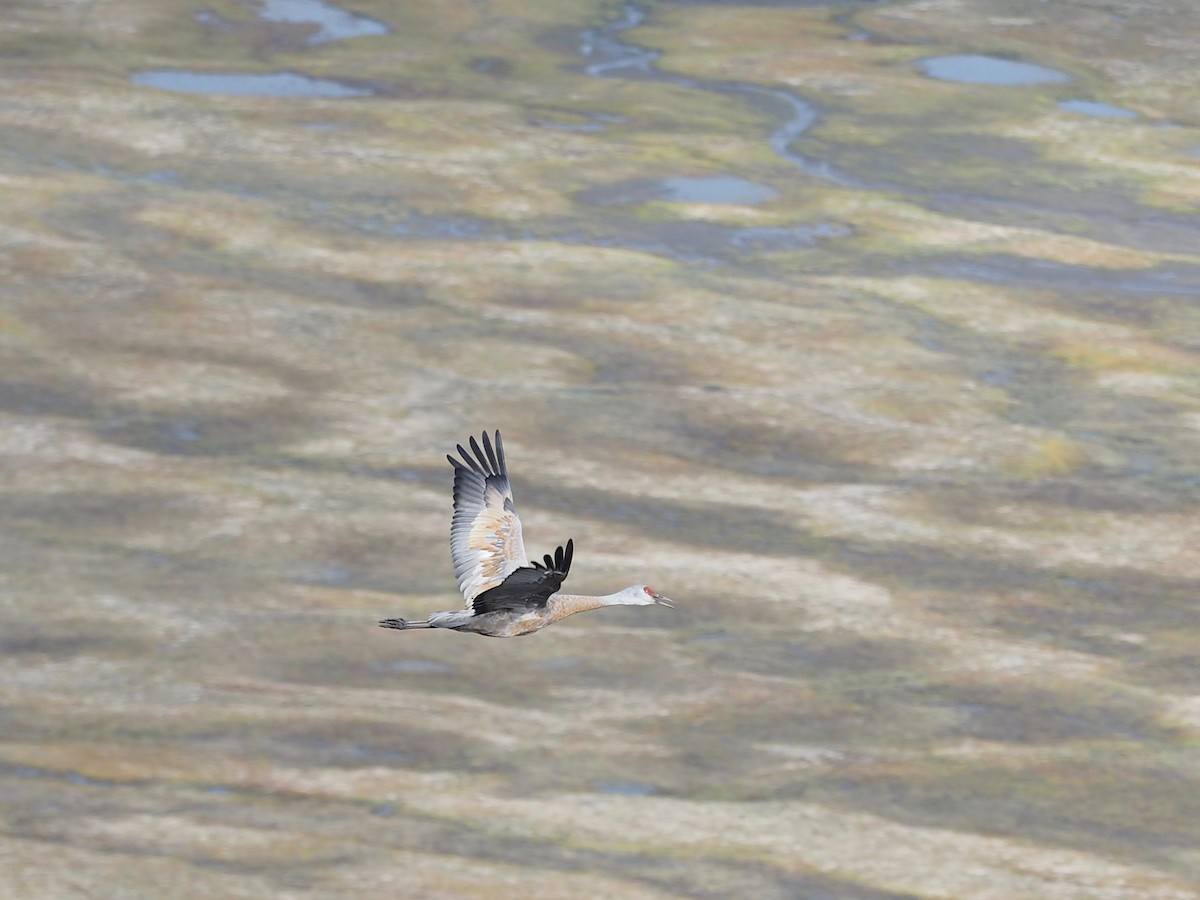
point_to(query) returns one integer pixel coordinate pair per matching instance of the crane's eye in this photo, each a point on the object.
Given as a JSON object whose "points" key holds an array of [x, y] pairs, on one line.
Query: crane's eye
{"points": [[649, 590]]}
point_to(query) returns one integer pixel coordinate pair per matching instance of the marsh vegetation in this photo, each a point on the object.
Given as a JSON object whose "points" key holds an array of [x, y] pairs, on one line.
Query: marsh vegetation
{"points": [[889, 379]]}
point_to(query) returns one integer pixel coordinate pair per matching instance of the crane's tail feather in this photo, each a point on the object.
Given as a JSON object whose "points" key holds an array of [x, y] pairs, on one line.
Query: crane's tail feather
{"points": [[404, 624]]}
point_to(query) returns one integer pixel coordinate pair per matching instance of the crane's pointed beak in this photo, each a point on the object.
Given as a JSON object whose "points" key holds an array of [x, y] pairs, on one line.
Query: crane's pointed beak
{"points": [[664, 601]]}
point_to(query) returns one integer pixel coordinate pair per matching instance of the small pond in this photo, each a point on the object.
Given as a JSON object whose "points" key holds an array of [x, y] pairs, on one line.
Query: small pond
{"points": [[246, 84], [1095, 108], [973, 69]]}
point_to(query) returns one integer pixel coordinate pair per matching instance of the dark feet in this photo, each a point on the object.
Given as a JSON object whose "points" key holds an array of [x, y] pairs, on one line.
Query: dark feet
{"points": [[393, 623]]}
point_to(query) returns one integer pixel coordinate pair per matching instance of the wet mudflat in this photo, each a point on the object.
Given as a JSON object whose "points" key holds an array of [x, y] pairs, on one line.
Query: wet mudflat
{"points": [[890, 379]]}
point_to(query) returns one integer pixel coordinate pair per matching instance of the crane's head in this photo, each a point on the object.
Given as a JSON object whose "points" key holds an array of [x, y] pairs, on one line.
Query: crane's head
{"points": [[644, 595]]}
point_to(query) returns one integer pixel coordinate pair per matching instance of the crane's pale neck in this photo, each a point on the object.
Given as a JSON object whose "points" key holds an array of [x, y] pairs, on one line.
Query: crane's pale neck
{"points": [[563, 605]]}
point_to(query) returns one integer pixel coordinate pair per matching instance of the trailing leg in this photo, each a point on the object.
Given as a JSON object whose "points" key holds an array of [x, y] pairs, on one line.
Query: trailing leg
{"points": [[404, 624]]}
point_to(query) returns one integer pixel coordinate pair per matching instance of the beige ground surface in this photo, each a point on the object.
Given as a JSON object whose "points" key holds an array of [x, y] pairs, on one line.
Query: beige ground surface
{"points": [[914, 444]]}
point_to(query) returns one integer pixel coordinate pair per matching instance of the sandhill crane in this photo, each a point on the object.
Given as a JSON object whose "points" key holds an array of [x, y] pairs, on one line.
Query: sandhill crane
{"points": [[506, 594]]}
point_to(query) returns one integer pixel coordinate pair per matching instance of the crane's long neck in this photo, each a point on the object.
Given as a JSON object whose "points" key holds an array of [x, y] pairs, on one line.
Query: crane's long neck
{"points": [[559, 606]]}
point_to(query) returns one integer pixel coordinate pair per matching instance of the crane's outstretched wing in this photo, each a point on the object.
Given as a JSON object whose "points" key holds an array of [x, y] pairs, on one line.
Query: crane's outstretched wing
{"points": [[529, 587], [485, 533]]}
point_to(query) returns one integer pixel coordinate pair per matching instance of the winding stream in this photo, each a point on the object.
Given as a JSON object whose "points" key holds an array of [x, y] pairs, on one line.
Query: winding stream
{"points": [[610, 57]]}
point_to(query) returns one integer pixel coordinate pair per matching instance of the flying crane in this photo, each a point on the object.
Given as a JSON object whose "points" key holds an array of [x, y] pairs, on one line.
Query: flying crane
{"points": [[507, 595]]}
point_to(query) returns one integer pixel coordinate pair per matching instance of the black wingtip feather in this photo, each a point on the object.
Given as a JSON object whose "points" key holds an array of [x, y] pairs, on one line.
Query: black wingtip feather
{"points": [[487, 461], [560, 562], [491, 455], [500, 453], [474, 466]]}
